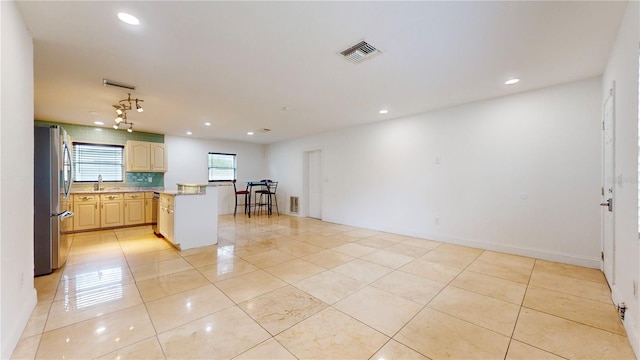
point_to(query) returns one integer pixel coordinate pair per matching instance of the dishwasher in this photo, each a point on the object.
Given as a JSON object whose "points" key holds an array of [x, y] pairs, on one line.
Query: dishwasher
{"points": [[156, 203]]}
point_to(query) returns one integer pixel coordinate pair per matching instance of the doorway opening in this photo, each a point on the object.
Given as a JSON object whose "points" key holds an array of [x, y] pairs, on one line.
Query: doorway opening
{"points": [[313, 184]]}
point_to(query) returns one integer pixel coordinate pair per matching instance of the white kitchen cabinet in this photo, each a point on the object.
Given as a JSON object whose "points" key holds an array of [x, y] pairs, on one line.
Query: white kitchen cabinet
{"points": [[134, 211], [111, 210], [189, 220], [145, 156], [86, 212], [166, 217]]}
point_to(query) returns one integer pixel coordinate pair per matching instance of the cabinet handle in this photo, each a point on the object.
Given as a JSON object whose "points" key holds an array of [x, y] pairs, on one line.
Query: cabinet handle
{"points": [[96, 206]]}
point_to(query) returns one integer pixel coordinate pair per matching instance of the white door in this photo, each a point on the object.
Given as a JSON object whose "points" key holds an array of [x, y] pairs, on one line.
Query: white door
{"points": [[314, 185], [608, 188]]}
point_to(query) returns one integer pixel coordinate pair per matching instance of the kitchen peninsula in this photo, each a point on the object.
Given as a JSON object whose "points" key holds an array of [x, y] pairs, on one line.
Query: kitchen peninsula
{"points": [[188, 217]]}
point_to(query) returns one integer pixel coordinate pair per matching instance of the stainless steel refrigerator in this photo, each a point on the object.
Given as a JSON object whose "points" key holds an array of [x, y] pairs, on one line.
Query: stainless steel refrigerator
{"points": [[53, 177]]}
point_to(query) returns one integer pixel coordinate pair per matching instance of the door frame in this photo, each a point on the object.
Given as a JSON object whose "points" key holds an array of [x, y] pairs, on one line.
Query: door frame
{"points": [[608, 261], [305, 191]]}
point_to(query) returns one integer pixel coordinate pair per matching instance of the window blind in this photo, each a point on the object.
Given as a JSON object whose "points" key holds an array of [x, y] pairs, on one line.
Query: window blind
{"points": [[222, 167], [91, 160]]}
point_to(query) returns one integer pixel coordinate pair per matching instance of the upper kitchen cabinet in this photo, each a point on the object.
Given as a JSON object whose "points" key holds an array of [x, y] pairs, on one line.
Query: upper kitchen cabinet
{"points": [[158, 157], [145, 156]]}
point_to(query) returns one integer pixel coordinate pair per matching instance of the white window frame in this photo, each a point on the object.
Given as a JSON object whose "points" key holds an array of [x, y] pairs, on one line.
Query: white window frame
{"points": [[219, 174], [109, 167]]}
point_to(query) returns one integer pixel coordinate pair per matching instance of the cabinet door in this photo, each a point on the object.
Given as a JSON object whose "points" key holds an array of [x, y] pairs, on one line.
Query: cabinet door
{"points": [[138, 156], [67, 224], [112, 213], [158, 157], [86, 216], [151, 211], [134, 212]]}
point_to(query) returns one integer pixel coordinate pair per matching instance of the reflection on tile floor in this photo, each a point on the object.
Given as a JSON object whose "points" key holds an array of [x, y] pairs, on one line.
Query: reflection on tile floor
{"points": [[286, 288]]}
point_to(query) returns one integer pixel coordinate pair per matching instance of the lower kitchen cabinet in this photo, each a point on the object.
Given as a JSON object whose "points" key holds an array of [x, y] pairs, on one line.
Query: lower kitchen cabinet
{"points": [[166, 217], [134, 209], [66, 225], [86, 212], [111, 210], [150, 208], [108, 210]]}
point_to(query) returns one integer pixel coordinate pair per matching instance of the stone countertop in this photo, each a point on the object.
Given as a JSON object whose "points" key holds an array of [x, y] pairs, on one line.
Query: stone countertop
{"points": [[188, 191], [125, 189]]}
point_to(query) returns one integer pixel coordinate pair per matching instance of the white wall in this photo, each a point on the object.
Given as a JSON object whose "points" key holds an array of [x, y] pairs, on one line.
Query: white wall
{"points": [[519, 174], [18, 296], [187, 163], [623, 69]]}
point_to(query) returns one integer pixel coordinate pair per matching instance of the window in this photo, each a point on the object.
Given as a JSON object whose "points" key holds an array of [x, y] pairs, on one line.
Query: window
{"points": [[222, 167], [91, 160]]}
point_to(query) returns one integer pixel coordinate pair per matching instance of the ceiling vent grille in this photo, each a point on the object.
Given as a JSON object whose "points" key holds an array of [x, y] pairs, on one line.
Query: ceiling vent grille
{"points": [[360, 52]]}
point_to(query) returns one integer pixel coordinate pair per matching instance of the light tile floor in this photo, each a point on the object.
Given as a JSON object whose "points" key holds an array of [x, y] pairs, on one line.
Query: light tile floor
{"points": [[285, 288]]}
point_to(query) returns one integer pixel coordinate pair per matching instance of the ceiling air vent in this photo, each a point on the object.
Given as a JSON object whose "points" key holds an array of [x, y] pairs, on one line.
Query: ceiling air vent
{"points": [[360, 52]]}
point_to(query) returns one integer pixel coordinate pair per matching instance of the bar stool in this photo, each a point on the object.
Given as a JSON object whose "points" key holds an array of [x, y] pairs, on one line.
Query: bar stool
{"points": [[247, 199], [270, 194]]}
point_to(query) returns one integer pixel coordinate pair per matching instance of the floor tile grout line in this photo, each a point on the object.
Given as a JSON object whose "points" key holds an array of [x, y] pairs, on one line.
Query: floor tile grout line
{"points": [[576, 322], [567, 293], [427, 305], [144, 303], [515, 324]]}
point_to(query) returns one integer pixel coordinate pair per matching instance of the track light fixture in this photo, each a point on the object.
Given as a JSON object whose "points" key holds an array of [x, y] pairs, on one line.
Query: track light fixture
{"points": [[122, 107]]}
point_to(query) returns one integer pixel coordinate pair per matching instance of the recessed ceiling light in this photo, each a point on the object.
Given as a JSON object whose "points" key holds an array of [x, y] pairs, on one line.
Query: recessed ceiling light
{"points": [[189, 133], [512, 81], [383, 111], [98, 122], [128, 18], [249, 133], [207, 124]]}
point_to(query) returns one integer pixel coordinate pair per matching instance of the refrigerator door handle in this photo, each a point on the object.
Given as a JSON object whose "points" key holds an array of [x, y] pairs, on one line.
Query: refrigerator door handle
{"points": [[67, 168], [63, 215]]}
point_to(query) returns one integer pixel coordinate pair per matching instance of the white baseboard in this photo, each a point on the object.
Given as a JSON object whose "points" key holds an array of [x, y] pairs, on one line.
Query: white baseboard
{"points": [[10, 340], [504, 248], [632, 332], [523, 251]]}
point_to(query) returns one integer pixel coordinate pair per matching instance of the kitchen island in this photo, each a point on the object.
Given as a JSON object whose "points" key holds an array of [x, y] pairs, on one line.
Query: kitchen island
{"points": [[188, 218]]}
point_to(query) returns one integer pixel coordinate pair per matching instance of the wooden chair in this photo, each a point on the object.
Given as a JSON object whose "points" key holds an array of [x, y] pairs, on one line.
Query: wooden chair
{"points": [[247, 200]]}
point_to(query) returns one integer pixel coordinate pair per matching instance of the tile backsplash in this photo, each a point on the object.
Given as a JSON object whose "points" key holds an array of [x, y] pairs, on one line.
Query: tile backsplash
{"points": [[142, 179], [101, 135]]}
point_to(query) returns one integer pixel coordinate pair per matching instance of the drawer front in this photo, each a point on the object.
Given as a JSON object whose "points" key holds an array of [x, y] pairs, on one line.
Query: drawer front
{"points": [[114, 196], [133, 196], [148, 195], [84, 197]]}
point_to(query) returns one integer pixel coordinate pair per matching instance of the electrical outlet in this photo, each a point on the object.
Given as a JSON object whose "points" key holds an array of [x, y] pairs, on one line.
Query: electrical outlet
{"points": [[21, 279], [635, 288], [436, 221], [150, 179]]}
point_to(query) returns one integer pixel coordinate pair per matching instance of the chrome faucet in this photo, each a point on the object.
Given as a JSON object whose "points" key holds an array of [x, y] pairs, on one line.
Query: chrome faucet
{"points": [[99, 184]]}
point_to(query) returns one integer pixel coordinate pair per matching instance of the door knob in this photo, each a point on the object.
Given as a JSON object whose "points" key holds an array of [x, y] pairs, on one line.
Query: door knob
{"points": [[608, 204]]}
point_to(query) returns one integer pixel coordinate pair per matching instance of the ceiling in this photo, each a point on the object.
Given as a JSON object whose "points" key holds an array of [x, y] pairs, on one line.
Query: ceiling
{"points": [[244, 66]]}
